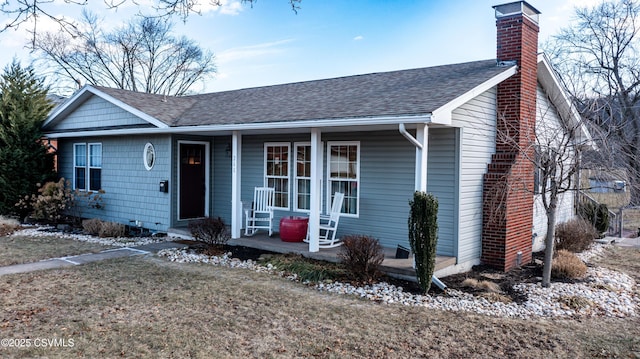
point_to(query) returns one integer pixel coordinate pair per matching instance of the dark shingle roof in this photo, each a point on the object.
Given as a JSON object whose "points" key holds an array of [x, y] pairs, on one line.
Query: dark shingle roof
{"points": [[397, 93], [164, 108]]}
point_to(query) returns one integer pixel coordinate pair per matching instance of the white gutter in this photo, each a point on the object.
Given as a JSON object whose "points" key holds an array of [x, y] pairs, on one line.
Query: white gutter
{"points": [[369, 121], [408, 136]]}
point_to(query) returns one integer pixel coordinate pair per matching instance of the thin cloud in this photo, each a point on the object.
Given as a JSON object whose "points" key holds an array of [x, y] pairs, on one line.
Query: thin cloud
{"points": [[225, 7], [252, 51], [358, 38]]}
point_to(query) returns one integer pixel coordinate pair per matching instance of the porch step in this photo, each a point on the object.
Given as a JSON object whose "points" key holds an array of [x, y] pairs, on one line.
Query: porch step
{"points": [[181, 232], [403, 268]]}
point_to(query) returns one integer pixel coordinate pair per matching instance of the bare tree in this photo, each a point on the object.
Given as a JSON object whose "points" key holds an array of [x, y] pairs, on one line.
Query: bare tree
{"points": [[554, 153], [140, 56], [597, 60], [26, 12], [557, 165]]}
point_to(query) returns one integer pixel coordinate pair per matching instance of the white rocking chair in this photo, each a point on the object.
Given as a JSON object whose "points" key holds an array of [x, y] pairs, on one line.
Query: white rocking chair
{"points": [[329, 224], [261, 215]]}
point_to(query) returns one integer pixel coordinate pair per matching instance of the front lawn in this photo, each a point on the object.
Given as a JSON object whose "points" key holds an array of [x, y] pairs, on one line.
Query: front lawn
{"points": [[24, 249], [148, 307]]}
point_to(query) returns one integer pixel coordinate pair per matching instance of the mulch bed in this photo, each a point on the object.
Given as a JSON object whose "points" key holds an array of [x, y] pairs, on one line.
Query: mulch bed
{"points": [[241, 252], [528, 273]]}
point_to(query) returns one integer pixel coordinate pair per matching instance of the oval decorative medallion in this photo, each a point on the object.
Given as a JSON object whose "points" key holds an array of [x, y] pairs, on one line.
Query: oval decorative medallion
{"points": [[149, 156]]}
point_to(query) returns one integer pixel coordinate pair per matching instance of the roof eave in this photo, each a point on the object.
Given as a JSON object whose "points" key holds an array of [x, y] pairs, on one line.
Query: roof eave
{"points": [[443, 115], [558, 96], [288, 125]]}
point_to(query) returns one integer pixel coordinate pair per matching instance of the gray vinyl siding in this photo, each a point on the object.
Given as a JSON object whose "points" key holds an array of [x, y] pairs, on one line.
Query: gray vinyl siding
{"points": [[221, 179], [387, 181], [131, 192], [477, 136], [442, 182], [98, 113]]}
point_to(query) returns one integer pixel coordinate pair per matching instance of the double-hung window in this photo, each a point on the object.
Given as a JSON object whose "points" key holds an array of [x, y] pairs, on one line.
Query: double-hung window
{"points": [[302, 177], [87, 166], [276, 172], [343, 167]]}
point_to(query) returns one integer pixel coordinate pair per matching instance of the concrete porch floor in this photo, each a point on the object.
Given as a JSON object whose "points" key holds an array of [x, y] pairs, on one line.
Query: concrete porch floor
{"points": [[399, 268]]}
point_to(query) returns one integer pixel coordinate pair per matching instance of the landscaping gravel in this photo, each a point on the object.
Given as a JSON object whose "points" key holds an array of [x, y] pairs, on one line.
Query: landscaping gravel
{"points": [[603, 292], [39, 231]]}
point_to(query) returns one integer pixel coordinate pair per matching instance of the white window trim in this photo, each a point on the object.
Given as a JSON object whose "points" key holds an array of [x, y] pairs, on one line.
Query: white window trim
{"points": [[86, 159], [296, 208], [288, 176], [89, 166], [329, 178]]}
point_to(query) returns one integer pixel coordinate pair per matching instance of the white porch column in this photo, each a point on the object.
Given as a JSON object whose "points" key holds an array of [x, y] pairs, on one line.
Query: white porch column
{"points": [[236, 188], [316, 186], [422, 135]]}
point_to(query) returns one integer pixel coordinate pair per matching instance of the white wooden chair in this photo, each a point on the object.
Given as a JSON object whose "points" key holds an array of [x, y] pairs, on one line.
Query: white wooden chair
{"points": [[260, 216], [329, 224]]}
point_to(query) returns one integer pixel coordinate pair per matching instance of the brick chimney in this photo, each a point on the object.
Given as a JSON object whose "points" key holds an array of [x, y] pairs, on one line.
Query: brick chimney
{"points": [[508, 183]]}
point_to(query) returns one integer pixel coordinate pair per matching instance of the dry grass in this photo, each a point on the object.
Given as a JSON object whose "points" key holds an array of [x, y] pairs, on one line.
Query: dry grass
{"points": [[484, 285], [8, 225], [567, 265], [147, 307], [631, 220], [20, 249], [623, 259]]}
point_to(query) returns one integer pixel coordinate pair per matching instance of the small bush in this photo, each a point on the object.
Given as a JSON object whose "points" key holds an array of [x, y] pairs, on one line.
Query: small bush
{"points": [[567, 265], [51, 202], [575, 302], [112, 230], [103, 229], [211, 231], [596, 214], [307, 269], [91, 199], [575, 235], [483, 285], [423, 236], [8, 226], [362, 256], [92, 226]]}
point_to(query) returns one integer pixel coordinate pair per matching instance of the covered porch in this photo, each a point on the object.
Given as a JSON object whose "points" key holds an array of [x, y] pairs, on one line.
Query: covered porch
{"points": [[317, 175], [382, 168]]}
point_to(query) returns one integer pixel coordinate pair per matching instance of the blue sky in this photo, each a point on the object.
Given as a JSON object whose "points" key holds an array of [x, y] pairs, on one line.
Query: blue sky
{"points": [[270, 44]]}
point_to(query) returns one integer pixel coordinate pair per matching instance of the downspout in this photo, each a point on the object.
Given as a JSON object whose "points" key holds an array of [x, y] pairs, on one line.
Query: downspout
{"points": [[408, 136], [415, 142]]}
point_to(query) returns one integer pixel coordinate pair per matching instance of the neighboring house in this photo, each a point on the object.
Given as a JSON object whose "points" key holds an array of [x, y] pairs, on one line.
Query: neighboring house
{"points": [[377, 138]]}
